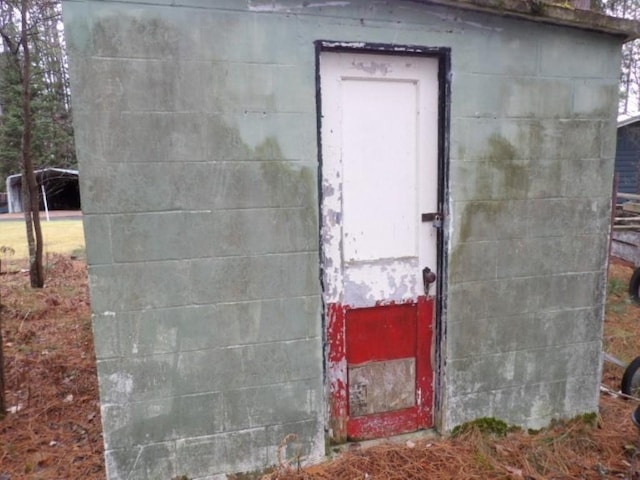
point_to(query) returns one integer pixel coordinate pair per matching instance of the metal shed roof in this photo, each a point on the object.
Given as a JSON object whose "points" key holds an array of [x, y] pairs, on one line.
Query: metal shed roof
{"points": [[14, 199]]}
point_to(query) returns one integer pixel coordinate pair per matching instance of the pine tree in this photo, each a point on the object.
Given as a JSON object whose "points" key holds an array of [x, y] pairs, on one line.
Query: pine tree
{"points": [[50, 106]]}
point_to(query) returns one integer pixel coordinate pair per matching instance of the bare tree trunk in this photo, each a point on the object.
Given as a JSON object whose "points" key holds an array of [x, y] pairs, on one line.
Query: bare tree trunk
{"points": [[30, 193]]}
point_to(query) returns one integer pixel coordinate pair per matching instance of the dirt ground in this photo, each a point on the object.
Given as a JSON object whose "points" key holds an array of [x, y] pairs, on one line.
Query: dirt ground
{"points": [[52, 430]]}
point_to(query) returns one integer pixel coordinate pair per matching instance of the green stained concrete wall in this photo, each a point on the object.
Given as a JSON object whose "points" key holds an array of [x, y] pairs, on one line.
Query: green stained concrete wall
{"points": [[196, 135]]}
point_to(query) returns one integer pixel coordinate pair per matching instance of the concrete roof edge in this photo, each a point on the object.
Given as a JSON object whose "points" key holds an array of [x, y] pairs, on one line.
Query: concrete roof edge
{"points": [[551, 13]]}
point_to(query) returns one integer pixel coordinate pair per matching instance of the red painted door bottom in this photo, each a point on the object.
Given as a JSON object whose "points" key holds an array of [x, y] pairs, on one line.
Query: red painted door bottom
{"points": [[379, 369]]}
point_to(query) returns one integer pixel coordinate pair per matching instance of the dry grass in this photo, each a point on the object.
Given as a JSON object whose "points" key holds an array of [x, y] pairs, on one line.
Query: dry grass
{"points": [[60, 236]]}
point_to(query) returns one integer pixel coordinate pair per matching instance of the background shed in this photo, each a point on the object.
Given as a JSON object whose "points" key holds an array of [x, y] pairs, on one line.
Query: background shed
{"points": [[59, 188], [628, 155]]}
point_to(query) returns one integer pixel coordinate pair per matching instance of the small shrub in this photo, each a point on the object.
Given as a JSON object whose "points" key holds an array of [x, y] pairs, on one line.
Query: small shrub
{"points": [[590, 419]]}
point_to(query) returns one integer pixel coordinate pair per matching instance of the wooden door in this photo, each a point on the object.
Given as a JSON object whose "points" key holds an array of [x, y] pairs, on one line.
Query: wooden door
{"points": [[379, 131]]}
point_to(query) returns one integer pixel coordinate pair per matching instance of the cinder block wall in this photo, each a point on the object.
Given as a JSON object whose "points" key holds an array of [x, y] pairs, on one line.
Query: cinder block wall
{"points": [[532, 152], [196, 135]]}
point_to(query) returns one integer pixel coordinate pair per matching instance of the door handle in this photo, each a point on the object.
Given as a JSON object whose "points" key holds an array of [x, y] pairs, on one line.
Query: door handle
{"points": [[428, 277]]}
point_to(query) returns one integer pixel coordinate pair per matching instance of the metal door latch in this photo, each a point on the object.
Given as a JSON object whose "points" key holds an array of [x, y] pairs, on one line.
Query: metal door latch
{"points": [[434, 217]]}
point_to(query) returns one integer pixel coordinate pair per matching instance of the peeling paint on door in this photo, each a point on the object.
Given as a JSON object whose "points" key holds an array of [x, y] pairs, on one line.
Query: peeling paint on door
{"points": [[378, 177]]}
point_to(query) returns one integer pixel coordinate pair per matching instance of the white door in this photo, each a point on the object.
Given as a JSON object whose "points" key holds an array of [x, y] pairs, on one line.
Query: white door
{"points": [[379, 138]]}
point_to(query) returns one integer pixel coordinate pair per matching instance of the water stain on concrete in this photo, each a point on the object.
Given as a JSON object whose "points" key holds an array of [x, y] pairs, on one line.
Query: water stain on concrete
{"points": [[510, 179]]}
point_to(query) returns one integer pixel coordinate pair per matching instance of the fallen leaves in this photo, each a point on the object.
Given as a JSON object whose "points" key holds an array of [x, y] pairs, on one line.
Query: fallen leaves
{"points": [[52, 430]]}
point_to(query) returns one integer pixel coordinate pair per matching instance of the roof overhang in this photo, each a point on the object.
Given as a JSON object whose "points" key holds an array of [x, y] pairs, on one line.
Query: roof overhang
{"points": [[551, 13]]}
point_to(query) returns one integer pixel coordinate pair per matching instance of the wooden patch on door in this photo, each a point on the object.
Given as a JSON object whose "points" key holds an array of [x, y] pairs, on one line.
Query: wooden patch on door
{"points": [[378, 387]]}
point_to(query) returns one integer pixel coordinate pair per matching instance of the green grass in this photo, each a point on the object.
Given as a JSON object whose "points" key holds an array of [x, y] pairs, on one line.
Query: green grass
{"points": [[616, 286], [60, 236], [617, 299]]}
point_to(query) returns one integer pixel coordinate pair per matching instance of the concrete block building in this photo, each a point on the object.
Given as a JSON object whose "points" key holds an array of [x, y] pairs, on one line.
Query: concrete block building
{"points": [[339, 219]]}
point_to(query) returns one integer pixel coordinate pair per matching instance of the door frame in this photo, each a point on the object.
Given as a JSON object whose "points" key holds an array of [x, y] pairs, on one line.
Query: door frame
{"points": [[336, 414]]}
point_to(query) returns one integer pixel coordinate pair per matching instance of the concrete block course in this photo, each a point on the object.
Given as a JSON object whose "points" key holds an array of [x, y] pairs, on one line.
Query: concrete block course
{"points": [[223, 233], [555, 62], [593, 96], [164, 330], [148, 461], [137, 287], [294, 448], [221, 136], [505, 334], [267, 276], [536, 401], [253, 185], [230, 452], [197, 136], [270, 404], [515, 96], [137, 379], [533, 256], [528, 139], [247, 366], [164, 419]]}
